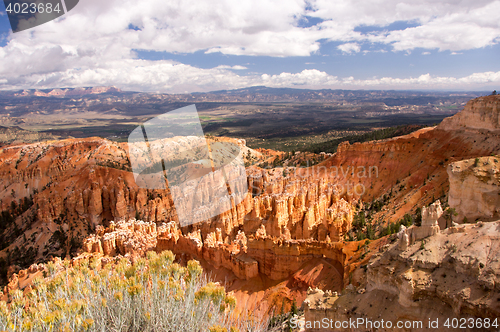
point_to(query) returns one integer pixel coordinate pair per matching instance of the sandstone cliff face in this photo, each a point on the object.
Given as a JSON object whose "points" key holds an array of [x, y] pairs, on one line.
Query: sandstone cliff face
{"points": [[429, 227], [278, 259], [455, 273], [298, 205], [459, 261], [290, 218], [411, 169], [75, 186], [475, 188], [78, 185], [248, 258], [133, 237], [479, 114], [70, 92]]}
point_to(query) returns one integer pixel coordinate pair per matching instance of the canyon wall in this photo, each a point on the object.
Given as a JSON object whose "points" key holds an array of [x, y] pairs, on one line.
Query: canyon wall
{"points": [[80, 185], [86, 183], [482, 113], [475, 188], [412, 169], [461, 263], [246, 258], [454, 273], [475, 183]]}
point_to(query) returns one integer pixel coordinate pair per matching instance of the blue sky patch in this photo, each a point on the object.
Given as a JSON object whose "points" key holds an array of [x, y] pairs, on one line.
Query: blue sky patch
{"points": [[360, 65], [284, 42], [397, 25], [308, 21], [133, 27], [5, 28]]}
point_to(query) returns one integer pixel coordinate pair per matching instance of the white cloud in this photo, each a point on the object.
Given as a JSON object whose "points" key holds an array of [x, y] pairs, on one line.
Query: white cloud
{"points": [[349, 48], [92, 44], [236, 67], [448, 26], [427, 81], [168, 76], [261, 27]]}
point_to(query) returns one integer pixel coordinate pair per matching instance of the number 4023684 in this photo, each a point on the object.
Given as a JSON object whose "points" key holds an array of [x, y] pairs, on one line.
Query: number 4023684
{"points": [[32, 8]]}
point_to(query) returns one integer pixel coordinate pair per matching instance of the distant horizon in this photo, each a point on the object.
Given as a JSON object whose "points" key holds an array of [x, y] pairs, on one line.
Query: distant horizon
{"points": [[254, 86]]}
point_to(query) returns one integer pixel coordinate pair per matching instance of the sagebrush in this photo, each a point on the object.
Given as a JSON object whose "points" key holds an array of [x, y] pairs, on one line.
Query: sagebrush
{"points": [[153, 294]]}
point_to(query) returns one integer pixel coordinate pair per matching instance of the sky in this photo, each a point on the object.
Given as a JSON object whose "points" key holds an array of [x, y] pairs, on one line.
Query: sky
{"points": [[179, 46]]}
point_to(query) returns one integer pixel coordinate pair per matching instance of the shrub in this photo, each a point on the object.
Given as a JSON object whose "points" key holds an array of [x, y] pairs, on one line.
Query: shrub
{"points": [[153, 294], [418, 216], [360, 236]]}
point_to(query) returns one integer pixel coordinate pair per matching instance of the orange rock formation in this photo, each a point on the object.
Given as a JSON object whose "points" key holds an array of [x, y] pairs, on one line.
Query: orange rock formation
{"points": [[290, 216]]}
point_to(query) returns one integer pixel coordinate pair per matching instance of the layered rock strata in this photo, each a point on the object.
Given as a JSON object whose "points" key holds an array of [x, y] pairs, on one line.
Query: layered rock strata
{"points": [[452, 274], [479, 114], [80, 185], [475, 188], [245, 257], [275, 258], [122, 238]]}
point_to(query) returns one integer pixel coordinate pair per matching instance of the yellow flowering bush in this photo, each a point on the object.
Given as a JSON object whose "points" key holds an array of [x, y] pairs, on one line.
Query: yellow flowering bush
{"points": [[153, 294]]}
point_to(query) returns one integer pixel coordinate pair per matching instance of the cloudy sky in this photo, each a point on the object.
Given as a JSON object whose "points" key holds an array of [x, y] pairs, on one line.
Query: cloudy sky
{"points": [[204, 45]]}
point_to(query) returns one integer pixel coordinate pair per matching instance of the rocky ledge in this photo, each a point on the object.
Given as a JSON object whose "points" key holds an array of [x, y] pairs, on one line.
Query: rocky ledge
{"points": [[454, 273]]}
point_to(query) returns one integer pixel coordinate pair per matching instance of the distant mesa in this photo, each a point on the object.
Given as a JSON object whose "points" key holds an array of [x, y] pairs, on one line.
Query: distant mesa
{"points": [[267, 94], [68, 92]]}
